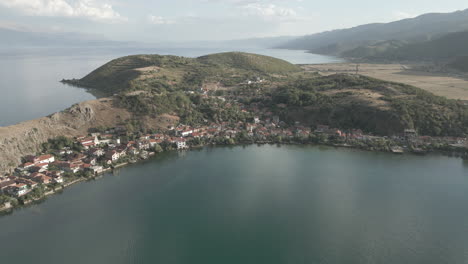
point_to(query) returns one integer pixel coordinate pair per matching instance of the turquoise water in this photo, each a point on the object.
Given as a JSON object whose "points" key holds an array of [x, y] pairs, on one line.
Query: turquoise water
{"points": [[29, 77], [254, 204]]}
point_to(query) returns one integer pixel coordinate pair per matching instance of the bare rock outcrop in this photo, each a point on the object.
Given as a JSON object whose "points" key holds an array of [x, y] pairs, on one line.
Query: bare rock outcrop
{"points": [[26, 138]]}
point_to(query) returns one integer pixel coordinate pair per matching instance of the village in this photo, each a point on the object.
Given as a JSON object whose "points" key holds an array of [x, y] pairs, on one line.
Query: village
{"points": [[87, 156], [66, 161]]}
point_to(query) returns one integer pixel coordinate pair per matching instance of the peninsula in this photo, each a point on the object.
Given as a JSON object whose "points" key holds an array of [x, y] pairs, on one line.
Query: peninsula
{"points": [[158, 103]]}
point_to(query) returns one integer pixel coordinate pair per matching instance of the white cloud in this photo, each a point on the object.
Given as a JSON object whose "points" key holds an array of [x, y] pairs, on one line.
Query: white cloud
{"points": [[159, 20], [79, 8], [269, 11], [399, 15]]}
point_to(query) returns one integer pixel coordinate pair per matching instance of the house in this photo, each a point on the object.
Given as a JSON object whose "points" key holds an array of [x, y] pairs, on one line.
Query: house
{"points": [[158, 136], [6, 184], [145, 137], [122, 152], [41, 178], [44, 165], [105, 141], [30, 183], [133, 151], [17, 190], [56, 176], [68, 166], [322, 129], [45, 159], [27, 165], [85, 166], [96, 152], [112, 155], [181, 143], [90, 160], [65, 151], [57, 179], [96, 169], [89, 142], [153, 142], [144, 144], [41, 168], [186, 133], [410, 133]]}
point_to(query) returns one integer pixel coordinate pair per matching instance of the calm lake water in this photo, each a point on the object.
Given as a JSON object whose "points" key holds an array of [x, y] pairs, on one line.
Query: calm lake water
{"points": [[29, 78], [254, 205]]}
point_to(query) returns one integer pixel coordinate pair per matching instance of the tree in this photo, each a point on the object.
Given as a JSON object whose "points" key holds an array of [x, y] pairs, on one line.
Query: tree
{"points": [[158, 148]]}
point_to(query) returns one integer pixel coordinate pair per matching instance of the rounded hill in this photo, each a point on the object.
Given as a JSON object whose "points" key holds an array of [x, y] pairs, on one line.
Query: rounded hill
{"points": [[249, 61], [166, 73]]}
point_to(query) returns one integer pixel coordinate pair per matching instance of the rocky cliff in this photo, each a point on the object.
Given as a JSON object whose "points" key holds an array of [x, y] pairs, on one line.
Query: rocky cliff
{"points": [[26, 138]]}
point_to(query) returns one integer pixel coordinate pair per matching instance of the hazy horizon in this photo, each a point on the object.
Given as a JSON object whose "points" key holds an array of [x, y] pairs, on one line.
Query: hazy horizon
{"points": [[204, 20]]}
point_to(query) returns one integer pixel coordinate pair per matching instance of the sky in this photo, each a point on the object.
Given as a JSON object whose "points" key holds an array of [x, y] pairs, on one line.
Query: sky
{"points": [[191, 20]]}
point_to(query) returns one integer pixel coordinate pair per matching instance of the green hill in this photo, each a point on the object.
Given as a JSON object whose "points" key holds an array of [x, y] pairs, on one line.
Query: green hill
{"points": [[172, 73], [248, 61]]}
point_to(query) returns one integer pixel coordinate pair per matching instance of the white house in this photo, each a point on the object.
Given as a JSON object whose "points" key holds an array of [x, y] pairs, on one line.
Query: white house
{"points": [[113, 155], [17, 190], [181, 143], [45, 159], [187, 133]]}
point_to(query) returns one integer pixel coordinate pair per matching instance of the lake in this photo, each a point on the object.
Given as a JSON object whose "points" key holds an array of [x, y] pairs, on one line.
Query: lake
{"points": [[30, 76], [255, 204]]}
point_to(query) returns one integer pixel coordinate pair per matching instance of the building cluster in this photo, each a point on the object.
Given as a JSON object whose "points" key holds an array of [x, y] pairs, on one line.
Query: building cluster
{"points": [[100, 151]]}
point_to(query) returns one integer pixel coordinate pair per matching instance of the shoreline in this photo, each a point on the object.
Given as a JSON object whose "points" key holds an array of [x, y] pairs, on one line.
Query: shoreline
{"points": [[11, 208]]}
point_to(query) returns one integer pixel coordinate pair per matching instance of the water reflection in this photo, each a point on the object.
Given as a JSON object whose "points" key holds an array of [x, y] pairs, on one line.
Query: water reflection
{"points": [[254, 205]]}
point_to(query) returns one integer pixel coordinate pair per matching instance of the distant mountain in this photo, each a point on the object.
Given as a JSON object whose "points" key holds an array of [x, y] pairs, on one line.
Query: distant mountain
{"points": [[374, 49], [18, 38], [442, 49], [460, 63], [267, 42], [12, 37], [423, 28]]}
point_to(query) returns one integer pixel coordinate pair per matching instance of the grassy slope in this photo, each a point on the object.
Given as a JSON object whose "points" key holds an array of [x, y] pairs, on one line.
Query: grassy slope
{"points": [[252, 62]]}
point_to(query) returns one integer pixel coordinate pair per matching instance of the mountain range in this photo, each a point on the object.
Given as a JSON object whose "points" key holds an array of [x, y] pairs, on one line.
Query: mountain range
{"points": [[436, 37]]}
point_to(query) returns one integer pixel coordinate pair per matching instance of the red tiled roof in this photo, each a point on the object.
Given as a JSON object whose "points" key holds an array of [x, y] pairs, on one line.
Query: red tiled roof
{"points": [[44, 157]]}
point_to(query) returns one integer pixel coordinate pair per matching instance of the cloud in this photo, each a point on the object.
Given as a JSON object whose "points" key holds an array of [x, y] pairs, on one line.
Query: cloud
{"points": [[89, 9], [270, 12], [399, 15], [159, 20]]}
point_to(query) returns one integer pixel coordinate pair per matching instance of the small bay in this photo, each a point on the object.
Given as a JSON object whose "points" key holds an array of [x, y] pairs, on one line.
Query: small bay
{"points": [[253, 204]]}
